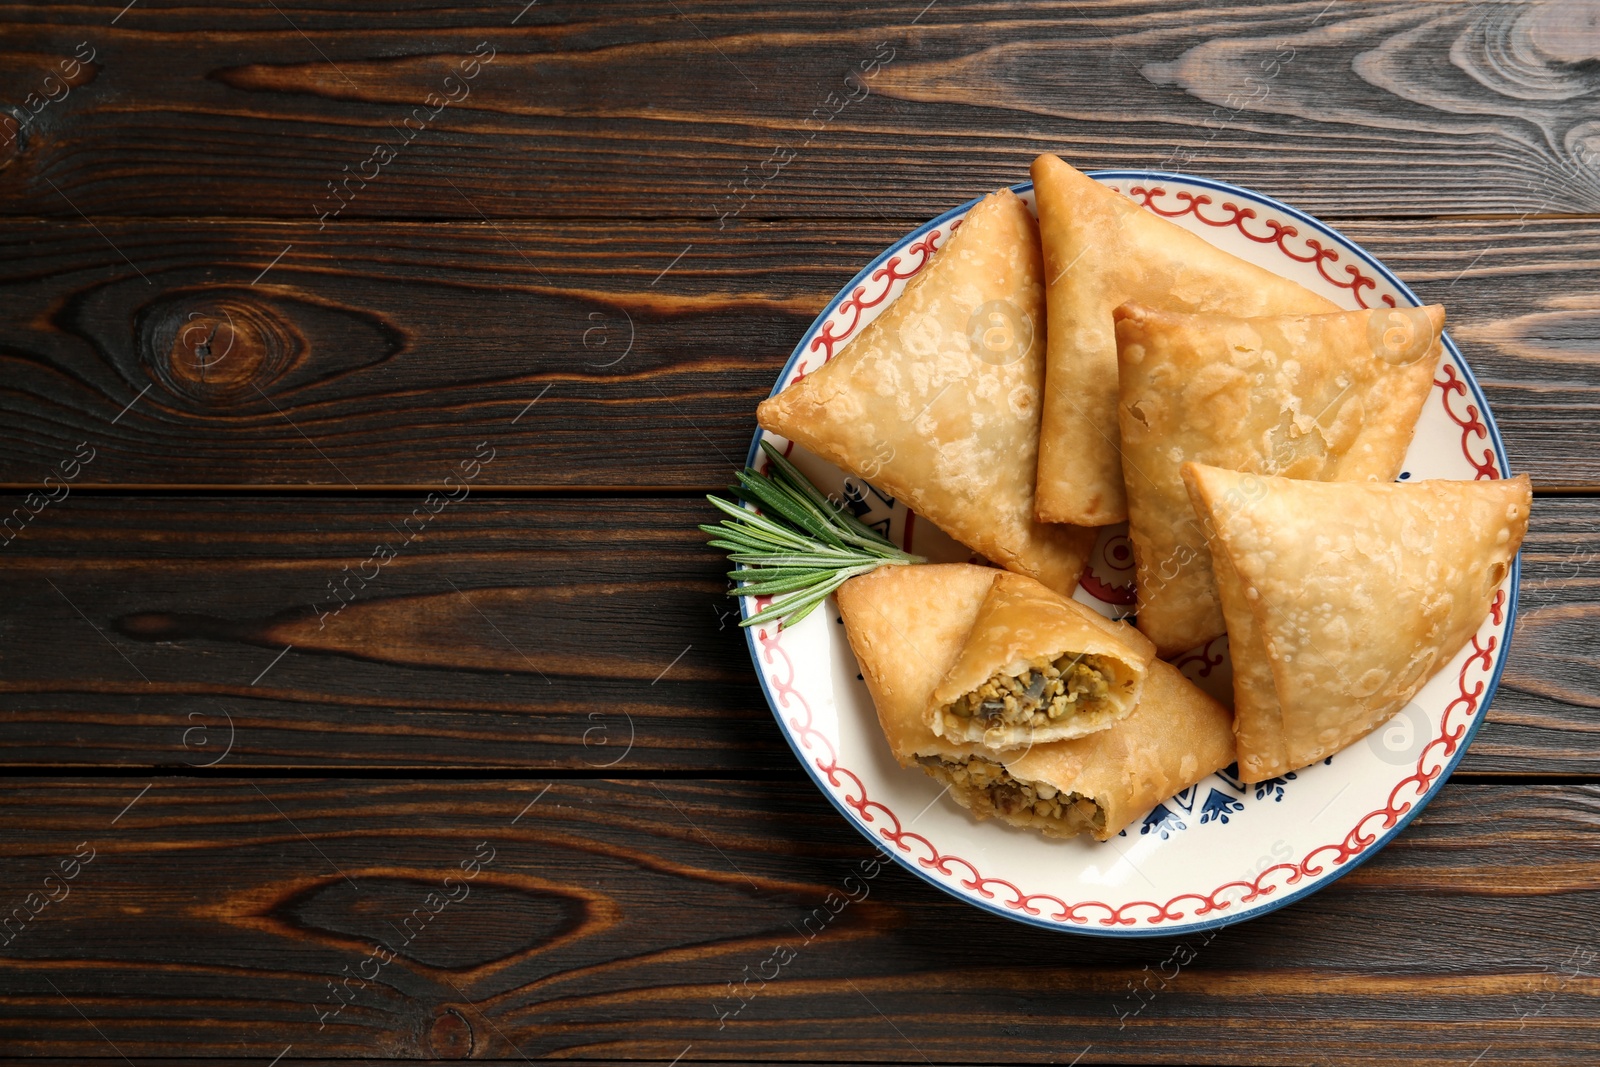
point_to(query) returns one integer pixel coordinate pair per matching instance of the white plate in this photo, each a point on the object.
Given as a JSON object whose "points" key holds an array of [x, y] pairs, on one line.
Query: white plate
{"points": [[1219, 852]]}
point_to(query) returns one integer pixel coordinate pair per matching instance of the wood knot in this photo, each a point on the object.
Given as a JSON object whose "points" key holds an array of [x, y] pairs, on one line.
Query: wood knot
{"points": [[13, 135], [1567, 31], [50, 80], [216, 347], [450, 1036]]}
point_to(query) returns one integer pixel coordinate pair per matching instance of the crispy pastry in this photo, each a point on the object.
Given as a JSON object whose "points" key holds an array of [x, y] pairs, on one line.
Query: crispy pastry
{"points": [[937, 400], [1101, 250], [1343, 598], [1038, 667], [1101, 782], [907, 626], [1322, 397]]}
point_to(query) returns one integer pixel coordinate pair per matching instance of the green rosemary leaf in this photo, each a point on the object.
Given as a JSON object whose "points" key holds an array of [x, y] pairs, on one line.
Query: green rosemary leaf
{"points": [[768, 494], [764, 586], [794, 616], [791, 476], [795, 559], [799, 547], [786, 555], [753, 538], [771, 492], [763, 574], [796, 606], [734, 546], [770, 537], [746, 517]]}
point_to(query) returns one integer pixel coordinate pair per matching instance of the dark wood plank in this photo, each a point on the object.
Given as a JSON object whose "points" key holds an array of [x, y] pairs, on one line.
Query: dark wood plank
{"points": [[213, 919], [1530, 330], [359, 360], [644, 110], [384, 353], [584, 633], [388, 358], [520, 634], [1551, 684]]}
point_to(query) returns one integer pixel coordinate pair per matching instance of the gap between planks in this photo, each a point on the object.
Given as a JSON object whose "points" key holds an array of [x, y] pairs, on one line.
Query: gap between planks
{"points": [[396, 772], [703, 219], [554, 492]]}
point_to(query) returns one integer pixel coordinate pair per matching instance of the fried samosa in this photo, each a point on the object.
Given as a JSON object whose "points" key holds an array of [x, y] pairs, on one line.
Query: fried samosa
{"points": [[936, 401], [907, 626], [1322, 397], [1101, 250], [1099, 783], [1038, 667], [1343, 598]]}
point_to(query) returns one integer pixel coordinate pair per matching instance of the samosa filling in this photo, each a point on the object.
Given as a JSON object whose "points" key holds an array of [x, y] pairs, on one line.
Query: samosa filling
{"points": [[989, 789], [1043, 693]]}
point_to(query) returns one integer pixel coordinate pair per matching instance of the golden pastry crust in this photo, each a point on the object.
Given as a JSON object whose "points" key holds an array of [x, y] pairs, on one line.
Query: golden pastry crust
{"points": [[907, 626], [1358, 591], [1173, 739], [950, 425], [1257, 715], [1022, 626], [1321, 397], [1101, 250]]}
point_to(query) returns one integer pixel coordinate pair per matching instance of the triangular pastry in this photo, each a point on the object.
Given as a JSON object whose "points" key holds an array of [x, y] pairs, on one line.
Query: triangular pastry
{"points": [[1038, 667], [1173, 739], [907, 626], [1343, 598], [1101, 250], [936, 401], [1321, 397]]}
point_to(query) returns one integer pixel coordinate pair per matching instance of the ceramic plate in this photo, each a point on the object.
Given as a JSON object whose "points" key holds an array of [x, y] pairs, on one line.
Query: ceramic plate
{"points": [[1221, 851]]}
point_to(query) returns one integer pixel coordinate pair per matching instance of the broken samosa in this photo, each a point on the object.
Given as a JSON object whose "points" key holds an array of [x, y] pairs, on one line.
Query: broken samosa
{"points": [[907, 626], [1038, 667]]}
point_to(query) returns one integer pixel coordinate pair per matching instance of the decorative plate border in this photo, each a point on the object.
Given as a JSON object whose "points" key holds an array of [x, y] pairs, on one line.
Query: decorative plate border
{"points": [[1478, 679]]}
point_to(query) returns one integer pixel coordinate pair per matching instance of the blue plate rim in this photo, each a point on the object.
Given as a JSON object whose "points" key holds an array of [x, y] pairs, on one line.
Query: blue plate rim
{"points": [[1383, 838]]}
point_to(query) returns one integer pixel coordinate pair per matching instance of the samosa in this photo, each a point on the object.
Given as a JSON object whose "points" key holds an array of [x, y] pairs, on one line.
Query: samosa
{"points": [[936, 402], [1343, 598], [1325, 397], [908, 625], [1101, 250], [1038, 667]]}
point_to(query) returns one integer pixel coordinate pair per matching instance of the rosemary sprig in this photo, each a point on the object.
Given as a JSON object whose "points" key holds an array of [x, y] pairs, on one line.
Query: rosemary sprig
{"points": [[800, 549]]}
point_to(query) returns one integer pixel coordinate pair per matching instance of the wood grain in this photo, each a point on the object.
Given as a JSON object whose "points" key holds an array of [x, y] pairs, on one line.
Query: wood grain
{"points": [[382, 354], [645, 111], [610, 917], [266, 298], [514, 634], [1552, 678], [585, 634]]}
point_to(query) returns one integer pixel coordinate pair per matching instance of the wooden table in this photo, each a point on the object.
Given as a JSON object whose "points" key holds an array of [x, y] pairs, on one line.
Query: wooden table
{"points": [[499, 289]]}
